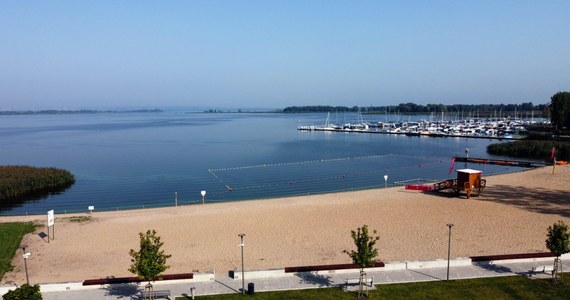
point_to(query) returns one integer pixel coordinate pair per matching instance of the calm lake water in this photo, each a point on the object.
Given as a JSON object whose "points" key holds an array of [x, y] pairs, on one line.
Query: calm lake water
{"points": [[136, 160]]}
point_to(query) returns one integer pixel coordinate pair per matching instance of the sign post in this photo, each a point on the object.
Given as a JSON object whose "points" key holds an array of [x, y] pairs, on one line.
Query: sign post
{"points": [[51, 223]]}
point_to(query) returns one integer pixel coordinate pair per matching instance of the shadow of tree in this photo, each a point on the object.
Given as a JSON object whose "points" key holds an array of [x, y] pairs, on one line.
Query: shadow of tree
{"points": [[492, 267], [314, 279], [534, 199], [124, 290]]}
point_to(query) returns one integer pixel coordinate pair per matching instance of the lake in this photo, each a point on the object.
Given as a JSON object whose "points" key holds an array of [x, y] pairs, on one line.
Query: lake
{"points": [[140, 160]]}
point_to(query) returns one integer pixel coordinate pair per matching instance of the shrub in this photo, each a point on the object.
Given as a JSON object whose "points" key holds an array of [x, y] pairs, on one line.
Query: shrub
{"points": [[24, 292]]}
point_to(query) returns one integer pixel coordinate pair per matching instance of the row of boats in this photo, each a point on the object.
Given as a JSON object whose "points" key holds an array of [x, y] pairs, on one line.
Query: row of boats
{"points": [[483, 128]]}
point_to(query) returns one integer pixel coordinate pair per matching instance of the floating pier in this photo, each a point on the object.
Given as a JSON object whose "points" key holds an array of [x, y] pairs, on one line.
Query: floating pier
{"points": [[502, 162]]}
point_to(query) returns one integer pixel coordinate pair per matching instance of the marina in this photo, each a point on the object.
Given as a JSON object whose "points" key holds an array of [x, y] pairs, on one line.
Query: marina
{"points": [[490, 128]]}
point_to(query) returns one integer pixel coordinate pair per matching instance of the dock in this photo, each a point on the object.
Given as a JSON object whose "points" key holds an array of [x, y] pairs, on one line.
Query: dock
{"points": [[412, 134], [502, 162]]}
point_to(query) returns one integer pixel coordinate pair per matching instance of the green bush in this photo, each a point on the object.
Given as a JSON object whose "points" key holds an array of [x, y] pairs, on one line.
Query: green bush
{"points": [[24, 292]]}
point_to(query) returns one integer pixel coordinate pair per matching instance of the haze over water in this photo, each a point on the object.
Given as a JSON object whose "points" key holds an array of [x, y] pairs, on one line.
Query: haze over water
{"points": [[136, 160]]}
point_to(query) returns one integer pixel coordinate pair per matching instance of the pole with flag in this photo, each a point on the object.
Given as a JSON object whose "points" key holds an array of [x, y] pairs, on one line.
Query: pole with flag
{"points": [[553, 157], [452, 165]]}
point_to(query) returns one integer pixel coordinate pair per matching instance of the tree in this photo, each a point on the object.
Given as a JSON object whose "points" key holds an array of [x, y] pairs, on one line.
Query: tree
{"points": [[24, 292], [150, 261], [365, 253], [558, 242], [560, 110]]}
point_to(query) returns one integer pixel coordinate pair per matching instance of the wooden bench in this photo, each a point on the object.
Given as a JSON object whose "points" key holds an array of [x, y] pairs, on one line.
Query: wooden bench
{"points": [[156, 294], [542, 269]]}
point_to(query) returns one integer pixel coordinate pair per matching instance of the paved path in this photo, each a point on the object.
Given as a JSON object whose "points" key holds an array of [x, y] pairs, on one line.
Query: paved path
{"points": [[224, 284]]}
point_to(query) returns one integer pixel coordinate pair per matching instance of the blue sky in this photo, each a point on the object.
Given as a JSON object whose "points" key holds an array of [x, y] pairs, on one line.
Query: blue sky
{"points": [[273, 54]]}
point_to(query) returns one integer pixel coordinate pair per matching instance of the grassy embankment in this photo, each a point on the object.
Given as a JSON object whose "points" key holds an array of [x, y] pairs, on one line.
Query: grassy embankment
{"points": [[20, 181], [514, 287], [10, 237]]}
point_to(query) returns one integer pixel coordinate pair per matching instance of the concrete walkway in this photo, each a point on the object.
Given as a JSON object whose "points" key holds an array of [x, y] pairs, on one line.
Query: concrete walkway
{"points": [[223, 284]]}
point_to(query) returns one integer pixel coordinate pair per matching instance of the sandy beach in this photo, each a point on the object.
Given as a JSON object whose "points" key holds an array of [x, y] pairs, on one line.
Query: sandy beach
{"points": [[511, 216]]}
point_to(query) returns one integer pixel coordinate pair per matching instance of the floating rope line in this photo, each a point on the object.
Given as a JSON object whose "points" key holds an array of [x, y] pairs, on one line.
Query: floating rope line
{"points": [[213, 174], [283, 179], [268, 165]]}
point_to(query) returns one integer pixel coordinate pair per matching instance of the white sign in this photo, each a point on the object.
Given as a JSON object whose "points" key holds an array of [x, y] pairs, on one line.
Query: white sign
{"points": [[91, 207], [51, 218]]}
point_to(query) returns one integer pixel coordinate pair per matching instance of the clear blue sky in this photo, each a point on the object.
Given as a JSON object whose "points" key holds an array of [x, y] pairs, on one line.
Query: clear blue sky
{"points": [[273, 54]]}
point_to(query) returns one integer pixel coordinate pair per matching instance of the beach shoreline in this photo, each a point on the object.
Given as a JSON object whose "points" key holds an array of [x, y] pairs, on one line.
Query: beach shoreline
{"points": [[511, 216]]}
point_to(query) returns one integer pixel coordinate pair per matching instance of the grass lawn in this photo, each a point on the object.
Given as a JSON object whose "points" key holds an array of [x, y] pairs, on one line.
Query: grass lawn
{"points": [[496, 288], [10, 237]]}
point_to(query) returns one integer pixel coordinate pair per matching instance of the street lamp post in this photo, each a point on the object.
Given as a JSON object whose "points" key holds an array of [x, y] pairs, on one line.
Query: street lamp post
{"points": [[26, 255], [385, 181], [241, 244], [448, 248]]}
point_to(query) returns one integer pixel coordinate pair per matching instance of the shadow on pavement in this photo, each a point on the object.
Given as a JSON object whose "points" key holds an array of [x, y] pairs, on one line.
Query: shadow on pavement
{"points": [[314, 279], [425, 274], [492, 267], [127, 291], [227, 286]]}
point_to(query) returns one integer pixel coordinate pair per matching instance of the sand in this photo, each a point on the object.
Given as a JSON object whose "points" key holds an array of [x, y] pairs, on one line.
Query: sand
{"points": [[511, 216]]}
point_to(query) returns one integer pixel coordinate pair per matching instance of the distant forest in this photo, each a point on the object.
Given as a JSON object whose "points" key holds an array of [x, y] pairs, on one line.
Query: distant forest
{"points": [[412, 108]]}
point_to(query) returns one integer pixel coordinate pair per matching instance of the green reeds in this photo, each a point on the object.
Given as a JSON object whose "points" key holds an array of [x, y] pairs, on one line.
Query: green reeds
{"points": [[20, 181], [532, 149]]}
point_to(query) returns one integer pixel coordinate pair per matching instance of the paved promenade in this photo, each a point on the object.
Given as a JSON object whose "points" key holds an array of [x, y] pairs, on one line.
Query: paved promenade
{"points": [[223, 284]]}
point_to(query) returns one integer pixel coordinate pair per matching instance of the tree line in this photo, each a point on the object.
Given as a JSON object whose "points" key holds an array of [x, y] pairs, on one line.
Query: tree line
{"points": [[413, 108]]}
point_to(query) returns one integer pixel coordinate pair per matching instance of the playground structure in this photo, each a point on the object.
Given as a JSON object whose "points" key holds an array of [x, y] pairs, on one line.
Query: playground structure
{"points": [[467, 180]]}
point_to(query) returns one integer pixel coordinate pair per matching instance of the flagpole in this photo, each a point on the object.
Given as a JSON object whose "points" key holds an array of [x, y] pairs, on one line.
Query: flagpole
{"points": [[553, 157]]}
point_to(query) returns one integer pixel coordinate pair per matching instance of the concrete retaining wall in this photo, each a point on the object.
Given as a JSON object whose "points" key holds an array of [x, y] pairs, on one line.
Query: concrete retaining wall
{"points": [[68, 286], [256, 274], [440, 263], [5, 288], [201, 277]]}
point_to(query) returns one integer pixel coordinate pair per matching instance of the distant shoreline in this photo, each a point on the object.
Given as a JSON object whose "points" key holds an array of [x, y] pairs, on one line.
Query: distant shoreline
{"points": [[75, 112]]}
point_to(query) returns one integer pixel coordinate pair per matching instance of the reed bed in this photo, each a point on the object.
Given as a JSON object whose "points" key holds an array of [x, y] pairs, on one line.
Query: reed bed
{"points": [[532, 149], [20, 181]]}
